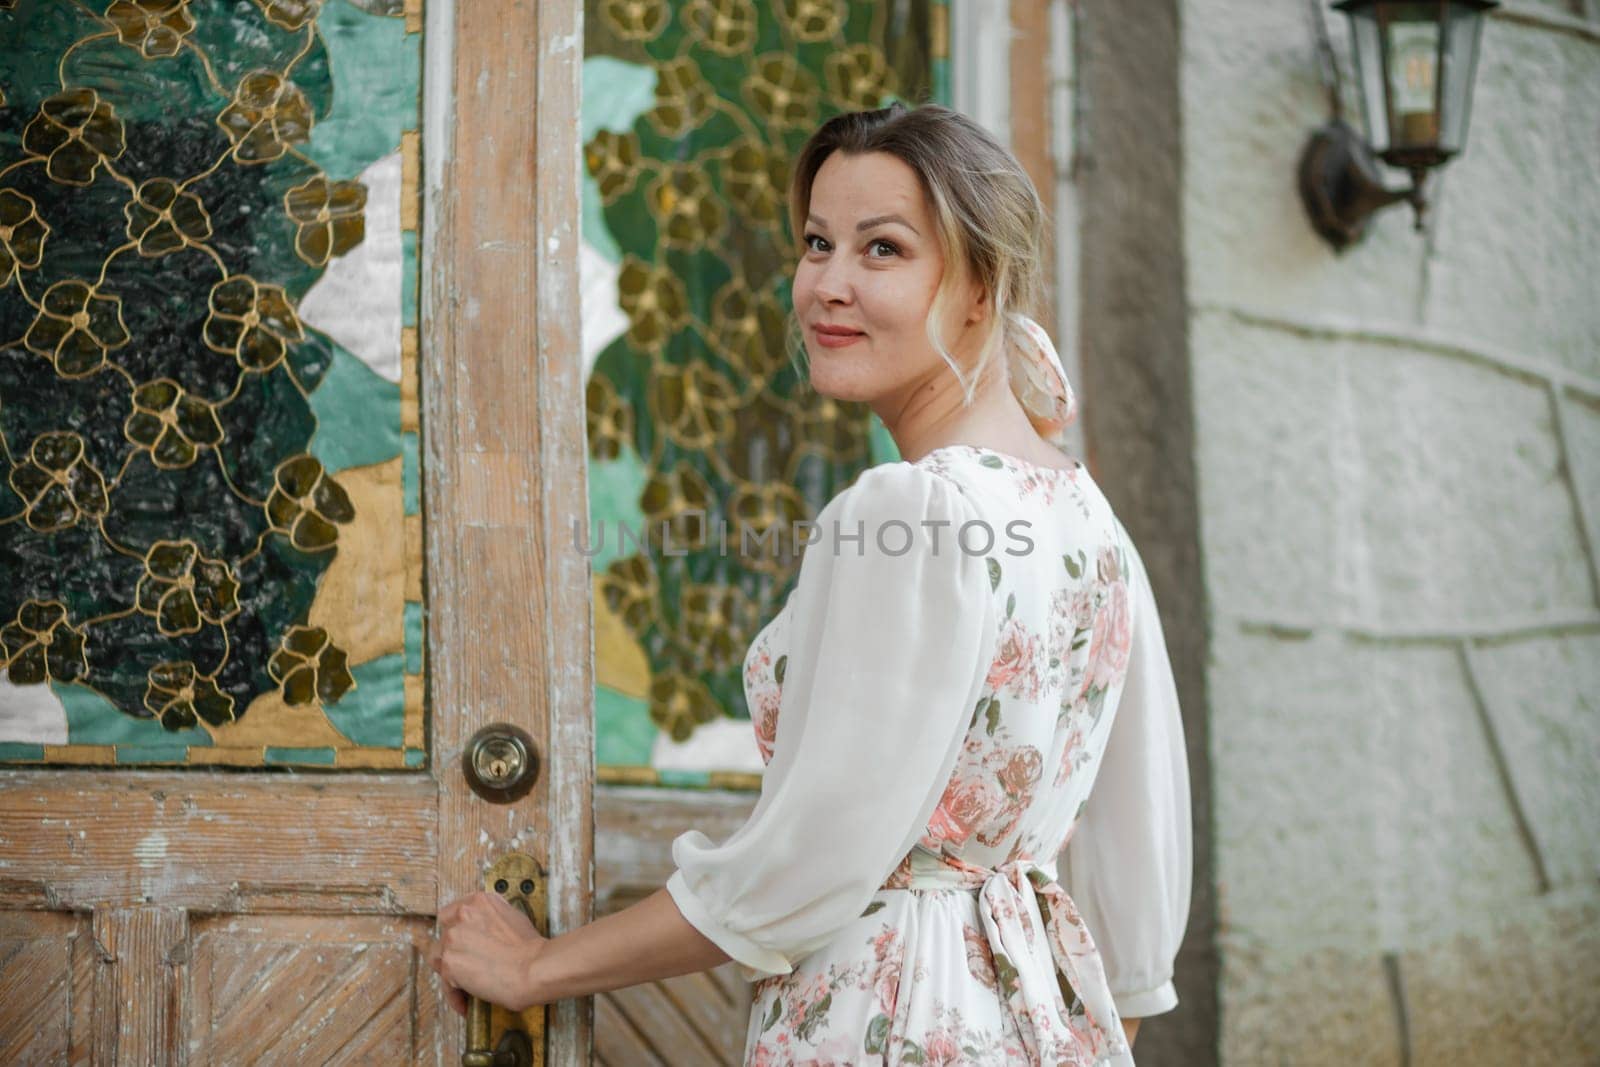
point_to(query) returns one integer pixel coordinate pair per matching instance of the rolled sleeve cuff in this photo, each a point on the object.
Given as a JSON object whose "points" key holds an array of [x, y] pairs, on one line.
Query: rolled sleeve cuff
{"points": [[1163, 997], [754, 961]]}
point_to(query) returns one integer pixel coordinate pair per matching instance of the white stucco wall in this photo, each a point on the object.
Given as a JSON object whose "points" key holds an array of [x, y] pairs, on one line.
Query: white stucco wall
{"points": [[1399, 471]]}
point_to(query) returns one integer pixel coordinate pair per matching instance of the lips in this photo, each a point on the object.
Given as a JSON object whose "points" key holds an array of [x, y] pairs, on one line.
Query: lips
{"points": [[836, 336], [836, 331]]}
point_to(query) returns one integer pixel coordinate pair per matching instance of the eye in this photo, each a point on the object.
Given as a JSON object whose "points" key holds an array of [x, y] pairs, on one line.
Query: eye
{"points": [[810, 237], [881, 243]]}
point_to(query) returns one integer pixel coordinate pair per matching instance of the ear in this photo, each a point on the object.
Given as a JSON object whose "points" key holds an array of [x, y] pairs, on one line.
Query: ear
{"points": [[978, 304]]}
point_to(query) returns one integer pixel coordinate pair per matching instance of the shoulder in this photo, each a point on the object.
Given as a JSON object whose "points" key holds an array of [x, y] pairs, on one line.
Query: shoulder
{"points": [[901, 490]]}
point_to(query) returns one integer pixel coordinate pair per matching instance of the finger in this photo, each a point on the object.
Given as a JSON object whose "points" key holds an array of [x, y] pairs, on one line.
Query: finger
{"points": [[458, 1002]]}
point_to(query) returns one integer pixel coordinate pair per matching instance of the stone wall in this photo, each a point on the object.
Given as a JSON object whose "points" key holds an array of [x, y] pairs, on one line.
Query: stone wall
{"points": [[1398, 468]]}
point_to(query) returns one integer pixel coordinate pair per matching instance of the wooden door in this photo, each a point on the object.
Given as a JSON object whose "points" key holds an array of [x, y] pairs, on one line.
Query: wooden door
{"points": [[255, 914]]}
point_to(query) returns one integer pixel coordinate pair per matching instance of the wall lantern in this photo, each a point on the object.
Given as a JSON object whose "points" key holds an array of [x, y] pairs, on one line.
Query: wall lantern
{"points": [[1416, 60]]}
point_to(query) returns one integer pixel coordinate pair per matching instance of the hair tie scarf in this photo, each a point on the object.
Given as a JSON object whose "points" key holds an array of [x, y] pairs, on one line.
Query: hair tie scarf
{"points": [[1040, 382]]}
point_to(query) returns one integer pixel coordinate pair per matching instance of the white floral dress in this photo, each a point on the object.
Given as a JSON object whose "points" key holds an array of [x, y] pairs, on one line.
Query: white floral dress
{"points": [[968, 681]]}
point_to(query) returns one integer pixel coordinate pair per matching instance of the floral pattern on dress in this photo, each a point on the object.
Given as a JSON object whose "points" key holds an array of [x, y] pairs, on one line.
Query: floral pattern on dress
{"points": [[917, 979]]}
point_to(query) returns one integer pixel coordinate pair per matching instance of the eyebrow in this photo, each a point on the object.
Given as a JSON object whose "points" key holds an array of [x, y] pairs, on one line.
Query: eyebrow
{"points": [[876, 220]]}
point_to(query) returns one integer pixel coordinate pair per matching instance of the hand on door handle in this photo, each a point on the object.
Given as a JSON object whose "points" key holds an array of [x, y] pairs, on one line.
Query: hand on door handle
{"points": [[515, 877]]}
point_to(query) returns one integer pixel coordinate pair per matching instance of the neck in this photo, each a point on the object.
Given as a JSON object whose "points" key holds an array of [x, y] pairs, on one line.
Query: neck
{"points": [[931, 414]]}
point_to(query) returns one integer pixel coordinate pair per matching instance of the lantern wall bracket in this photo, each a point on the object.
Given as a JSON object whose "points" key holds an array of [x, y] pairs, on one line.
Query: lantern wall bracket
{"points": [[1342, 185]]}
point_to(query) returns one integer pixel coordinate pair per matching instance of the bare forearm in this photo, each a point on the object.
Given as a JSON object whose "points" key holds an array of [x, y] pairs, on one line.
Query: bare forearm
{"points": [[1131, 1028], [642, 943]]}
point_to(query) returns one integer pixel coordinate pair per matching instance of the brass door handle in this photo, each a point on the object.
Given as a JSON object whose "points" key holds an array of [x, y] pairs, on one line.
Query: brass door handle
{"points": [[516, 877]]}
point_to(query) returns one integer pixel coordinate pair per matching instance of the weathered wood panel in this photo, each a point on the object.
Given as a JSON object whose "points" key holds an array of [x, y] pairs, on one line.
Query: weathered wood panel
{"points": [[502, 394], [138, 998], [80, 840], [295, 989], [47, 965]]}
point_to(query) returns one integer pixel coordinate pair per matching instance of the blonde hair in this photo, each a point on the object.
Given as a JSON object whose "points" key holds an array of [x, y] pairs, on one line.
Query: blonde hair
{"points": [[987, 213]]}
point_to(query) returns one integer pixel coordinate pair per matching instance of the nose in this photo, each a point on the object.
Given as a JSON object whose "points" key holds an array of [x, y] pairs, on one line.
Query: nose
{"points": [[832, 285]]}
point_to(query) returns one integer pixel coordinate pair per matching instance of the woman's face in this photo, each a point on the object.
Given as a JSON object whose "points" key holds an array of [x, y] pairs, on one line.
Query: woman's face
{"points": [[869, 269]]}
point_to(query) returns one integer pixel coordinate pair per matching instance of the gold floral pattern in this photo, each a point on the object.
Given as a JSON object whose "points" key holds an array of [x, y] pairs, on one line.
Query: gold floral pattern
{"points": [[630, 589], [812, 20], [178, 696], [613, 159], [155, 27], [655, 300], [328, 216], [679, 703], [290, 14], [683, 98], [22, 235], [782, 91], [636, 20], [309, 668], [764, 515], [268, 114], [715, 623], [756, 177], [164, 217], [183, 590], [42, 646], [306, 503], [610, 420], [172, 425], [858, 77], [681, 499], [724, 26], [58, 484], [75, 132], [251, 321], [694, 404], [76, 327], [686, 207], [744, 326]]}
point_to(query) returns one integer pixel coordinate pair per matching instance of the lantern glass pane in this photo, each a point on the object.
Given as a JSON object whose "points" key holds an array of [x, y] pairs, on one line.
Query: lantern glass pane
{"points": [[1369, 66], [1463, 27], [1411, 68]]}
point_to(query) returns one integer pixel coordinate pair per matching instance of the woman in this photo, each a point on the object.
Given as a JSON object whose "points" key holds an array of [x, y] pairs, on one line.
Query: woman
{"points": [[971, 646]]}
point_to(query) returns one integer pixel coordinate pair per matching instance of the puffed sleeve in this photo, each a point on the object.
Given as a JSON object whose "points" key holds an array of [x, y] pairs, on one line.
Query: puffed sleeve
{"points": [[886, 660], [1128, 863]]}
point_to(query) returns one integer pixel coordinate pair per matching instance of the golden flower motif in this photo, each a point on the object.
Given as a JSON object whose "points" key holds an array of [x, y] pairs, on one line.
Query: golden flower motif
{"points": [[681, 499], [763, 524], [268, 114], [41, 646], [715, 623], [22, 234], [756, 178], [812, 20], [75, 131], [630, 590], [290, 14], [725, 26], [840, 430], [178, 696], [685, 206], [613, 159], [184, 590], [309, 668], [171, 424], [163, 217], [58, 484], [306, 502], [748, 329], [636, 20], [858, 77], [251, 321], [782, 90], [683, 97], [655, 300], [679, 703], [155, 27], [694, 404], [76, 327], [329, 217], [609, 424]]}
